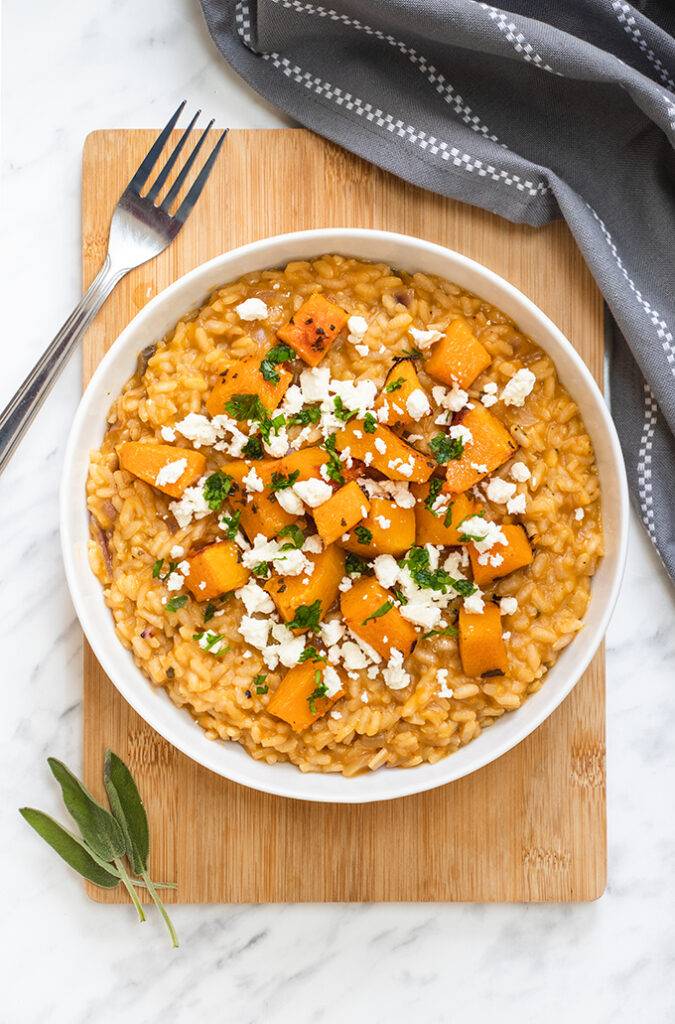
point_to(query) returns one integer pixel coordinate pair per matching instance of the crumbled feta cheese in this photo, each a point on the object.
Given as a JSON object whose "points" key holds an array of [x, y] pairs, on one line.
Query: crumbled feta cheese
{"points": [[453, 400], [255, 631], [313, 544], [489, 400], [490, 388], [480, 467], [364, 697], [313, 492], [331, 681], [519, 387], [442, 680], [175, 581], [386, 570], [462, 433], [357, 327], [168, 434], [517, 505], [252, 482], [380, 446], [171, 472], [290, 649], [293, 402], [184, 567], [474, 603], [278, 444], [289, 501], [579, 514], [508, 605], [483, 532], [177, 551], [314, 383], [424, 339], [198, 429], [507, 635], [337, 715], [417, 404], [384, 523], [255, 599], [252, 309], [332, 632], [383, 412], [499, 490], [520, 472], [192, 505], [394, 675], [362, 350], [345, 584], [353, 657], [356, 395]]}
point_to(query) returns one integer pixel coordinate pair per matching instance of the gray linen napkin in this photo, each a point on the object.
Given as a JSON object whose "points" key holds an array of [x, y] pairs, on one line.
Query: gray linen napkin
{"points": [[549, 109]]}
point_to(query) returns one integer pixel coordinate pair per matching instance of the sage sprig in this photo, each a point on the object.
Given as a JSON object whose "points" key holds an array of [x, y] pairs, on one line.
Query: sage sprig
{"points": [[105, 838]]}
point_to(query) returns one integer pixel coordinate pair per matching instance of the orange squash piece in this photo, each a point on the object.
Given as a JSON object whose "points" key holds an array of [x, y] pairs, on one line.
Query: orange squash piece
{"points": [[215, 570], [442, 528], [395, 539], [516, 554], [492, 445], [458, 356], [383, 447], [244, 377], [291, 701], [339, 514], [313, 329], [399, 384], [364, 609], [289, 592], [260, 512], [481, 646], [147, 460], [307, 462]]}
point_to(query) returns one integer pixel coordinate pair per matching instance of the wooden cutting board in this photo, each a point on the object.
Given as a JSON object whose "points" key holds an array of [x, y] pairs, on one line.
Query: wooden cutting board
{"points": [[530, 826]]}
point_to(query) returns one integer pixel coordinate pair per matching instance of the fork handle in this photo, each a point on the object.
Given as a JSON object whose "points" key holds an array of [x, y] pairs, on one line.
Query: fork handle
{"points": [[19, 412]]}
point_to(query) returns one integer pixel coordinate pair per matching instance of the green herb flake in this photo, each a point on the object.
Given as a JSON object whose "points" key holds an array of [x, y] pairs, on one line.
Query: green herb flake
{"points": [[310, 653], [261, 569], [216, 489], [363, 534], [280, 482], [309, 414], [446, 631], [174, 603], [435, 488], [341, 410], [211, 642], [369, 423], [246, 407], [209, 611], [320, 691], [297, 537], [394, 385], [230, 524], [278, 354], [253, 449], [355, 565], [306, 616], [334, 467], [382, 610], [446, 448], [157, 568], [412, 353]]}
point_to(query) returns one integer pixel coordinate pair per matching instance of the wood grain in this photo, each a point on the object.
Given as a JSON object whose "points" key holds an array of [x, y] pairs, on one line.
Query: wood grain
{"points": [[531, 826]]}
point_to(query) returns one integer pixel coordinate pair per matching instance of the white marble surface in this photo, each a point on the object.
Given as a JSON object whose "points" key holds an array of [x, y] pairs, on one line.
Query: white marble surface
{"points": [[70, 66]]}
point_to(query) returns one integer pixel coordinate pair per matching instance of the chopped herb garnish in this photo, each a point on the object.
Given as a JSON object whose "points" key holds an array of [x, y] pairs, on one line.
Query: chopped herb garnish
{"points": [[399, 595], [157, 572], [246, 407], [363, 534], [306, 616], [418, 565], [412, 353], [157, 568], [278, 354], [341, 410], [211, 642], [394, 385], [281, 481], [295, 535], [435, 488], [465, 588], [446, 631], [261, 686], [310, 653], [216, 489], [334, 467], [382, 610], [174, 603], [320, 690], [253, 448], [261, 569], [310, 414], [446, 448], [447, 519], [354, 565], [209, 611], [369, 423], [230, 524]]}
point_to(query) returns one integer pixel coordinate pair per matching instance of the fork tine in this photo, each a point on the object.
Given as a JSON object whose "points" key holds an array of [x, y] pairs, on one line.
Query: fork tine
{"points": [[142, 174], [166, 170], [176, 187], [193, 195]]}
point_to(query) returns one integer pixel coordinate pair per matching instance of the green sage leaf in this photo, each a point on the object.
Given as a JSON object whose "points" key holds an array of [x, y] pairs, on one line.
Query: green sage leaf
{"points": [[127, 807], [69, 848], [98, 827]]}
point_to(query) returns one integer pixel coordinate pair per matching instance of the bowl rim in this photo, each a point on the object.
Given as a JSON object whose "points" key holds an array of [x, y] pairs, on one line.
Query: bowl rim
{"points": [[274, 780]]}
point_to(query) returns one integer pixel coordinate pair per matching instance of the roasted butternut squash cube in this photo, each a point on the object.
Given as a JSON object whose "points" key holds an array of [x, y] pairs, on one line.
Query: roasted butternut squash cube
{"points": [[481, 646], [399, 385], [244, 377], [165, 467], [384, 451], [215, 570], [260, 512], [307, 462], [292, 592], [441, 527], [298, 699], [458, 357], [491, 446], [516, 554], [313, 329], [347, 507], [386, 530], [370, 612]]}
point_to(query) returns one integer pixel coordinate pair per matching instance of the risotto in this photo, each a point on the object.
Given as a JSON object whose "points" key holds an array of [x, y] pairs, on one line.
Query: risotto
{"points": [[345, 516]]}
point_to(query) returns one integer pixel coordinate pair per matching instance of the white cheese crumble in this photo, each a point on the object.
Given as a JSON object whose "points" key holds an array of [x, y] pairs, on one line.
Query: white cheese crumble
{"points": [[519, 387], [252, 309], [293, 401], [499, 490], [254, 598], [332, 632], [508, 605], [331, 681], [337, 715], [314, 384], [356, 395], [459, 431], [424, 339], [313, 492], [383, 522], [192, 505], [386, 570], [517, 505], [474, 603], [289, 501], [520, 472], [313, 544], [453, 400], [255, 631], [177, 551], [394, 490], [168, 434], [442, 680], [171, 472], [484, 533], [175, 581], [394, 675], [579, 514], [417, 404], [253, 482], [356, 327], [380, 446], [278, 444]]}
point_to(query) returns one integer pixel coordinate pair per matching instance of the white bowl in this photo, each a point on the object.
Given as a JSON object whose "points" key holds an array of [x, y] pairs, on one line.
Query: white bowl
{"points": [[176, 725]]}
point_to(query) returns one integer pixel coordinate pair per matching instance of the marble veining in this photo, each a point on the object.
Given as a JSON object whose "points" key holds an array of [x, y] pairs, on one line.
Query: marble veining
{"points": [[70, 67]]}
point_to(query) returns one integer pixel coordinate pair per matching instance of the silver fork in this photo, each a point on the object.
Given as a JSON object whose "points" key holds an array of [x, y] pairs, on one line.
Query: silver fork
{"points": [[140, 229]]}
